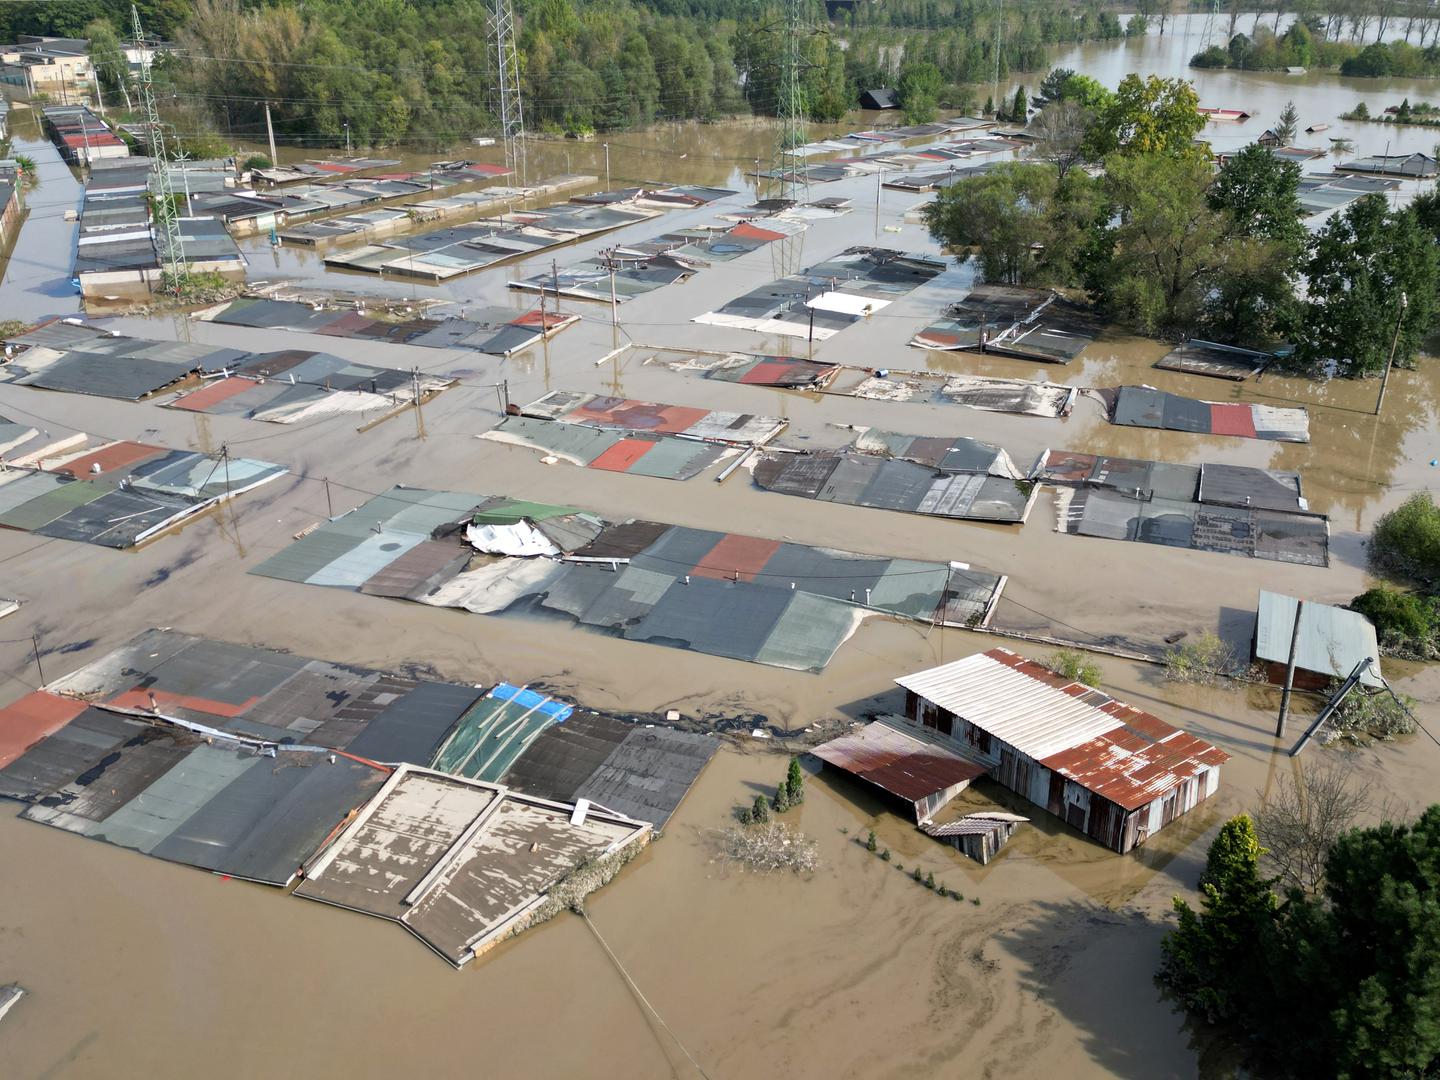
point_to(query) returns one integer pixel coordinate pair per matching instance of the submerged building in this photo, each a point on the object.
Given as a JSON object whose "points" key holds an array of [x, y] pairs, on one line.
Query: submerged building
{"points": [[1114, 772]]}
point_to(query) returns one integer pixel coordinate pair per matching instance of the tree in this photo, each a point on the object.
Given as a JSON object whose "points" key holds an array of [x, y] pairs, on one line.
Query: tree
{"points": [[1368, 956], [1052, 87], [760, 810], [1019, 109], [107, 59], [1260, 194], [1360, 265], [1212, 959], [1289, 124], [1148, 116], [1254, 297], [1406, 541], [1059, 130], [1003, 213], [795, 782], [1087, 92], [1155, 268], [870, 844], [1301, 821], [918, 91], [781, 802]]}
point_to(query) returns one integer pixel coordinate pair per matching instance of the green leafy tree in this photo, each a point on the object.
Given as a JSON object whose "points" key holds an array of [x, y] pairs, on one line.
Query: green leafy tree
{"points": [[1210, 960], [795, 782], [1406, 541], [111, 68], [1052, 87], [1156, 266], [1087, 92], [1014, 211], [1254, 296], [760, 810], [1360, 265], [781, 802], [1148, 116], [1289, 124], [918, 91], [1359, 967]]}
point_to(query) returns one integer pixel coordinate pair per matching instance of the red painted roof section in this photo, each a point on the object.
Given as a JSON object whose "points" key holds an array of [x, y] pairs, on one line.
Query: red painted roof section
{"points": [[1232, 419], [754, 232], [112, 458], [745, 555], [139, 698], [487, 170], [31, 719], [638, 415], [622, 455], [213, 393]]}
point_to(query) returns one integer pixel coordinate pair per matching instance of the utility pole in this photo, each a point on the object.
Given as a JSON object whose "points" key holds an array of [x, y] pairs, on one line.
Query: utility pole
{"points": [[607, 166], [1394, 341], [790, 105], [270, 134], [183, 158], [169, 243], [1289, 671], [35, 642], [879, 184], [347, 138], [614, 306], [995, 84], [329, 506]]}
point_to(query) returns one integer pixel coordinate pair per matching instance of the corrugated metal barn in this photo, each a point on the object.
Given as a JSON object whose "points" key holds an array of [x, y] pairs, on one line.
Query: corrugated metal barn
{"points": [[1117, 774]]}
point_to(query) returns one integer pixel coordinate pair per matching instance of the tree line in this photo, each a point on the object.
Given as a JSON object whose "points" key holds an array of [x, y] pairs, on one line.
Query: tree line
{"points": [[390, 73], [1124, 203], [1305, 45]]}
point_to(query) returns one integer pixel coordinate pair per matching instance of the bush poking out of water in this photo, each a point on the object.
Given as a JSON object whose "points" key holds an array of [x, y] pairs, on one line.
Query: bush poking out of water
{"points": [[957, 896], [760, 810], [1370, 715], [975, 900], [1076, 665], [916, 875], [1407, 624], [770, 847], [1204, 661], [930, 880], [870, 843], [1406, 541], [885, 854]]}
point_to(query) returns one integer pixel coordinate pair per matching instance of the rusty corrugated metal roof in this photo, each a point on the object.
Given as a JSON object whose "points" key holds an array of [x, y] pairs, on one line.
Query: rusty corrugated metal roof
{"points": [[897, 762], [1124, 754]]}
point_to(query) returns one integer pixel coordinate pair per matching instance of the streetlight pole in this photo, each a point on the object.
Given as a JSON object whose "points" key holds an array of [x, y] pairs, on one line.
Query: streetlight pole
{"points": [[1394, 341], [347, 138]]}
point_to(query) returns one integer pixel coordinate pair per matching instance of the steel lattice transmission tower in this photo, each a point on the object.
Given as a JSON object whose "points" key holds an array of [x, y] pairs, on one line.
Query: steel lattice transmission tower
{"points": [[165, 221], [790, 107], [507, 76]]}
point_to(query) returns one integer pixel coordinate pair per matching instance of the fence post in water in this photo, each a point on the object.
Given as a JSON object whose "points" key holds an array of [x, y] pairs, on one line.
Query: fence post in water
{"points": [[1289, 671]]}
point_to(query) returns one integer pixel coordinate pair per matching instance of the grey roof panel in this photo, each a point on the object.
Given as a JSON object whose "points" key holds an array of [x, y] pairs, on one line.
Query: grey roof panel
{"points": [[412, 728]]}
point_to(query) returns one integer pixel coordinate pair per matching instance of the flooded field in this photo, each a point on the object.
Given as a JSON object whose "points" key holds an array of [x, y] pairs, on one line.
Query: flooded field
{"points": [[139, 968]]}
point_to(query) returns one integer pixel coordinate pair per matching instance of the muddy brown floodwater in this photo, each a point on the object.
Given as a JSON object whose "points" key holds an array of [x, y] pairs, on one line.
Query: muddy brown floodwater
{"points": [[139, 968]]}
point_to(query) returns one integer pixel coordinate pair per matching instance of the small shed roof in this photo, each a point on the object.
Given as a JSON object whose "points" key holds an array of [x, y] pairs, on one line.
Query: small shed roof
{"points": [[1122, 753], [897, 762], [879, 99], [1332, 639]]}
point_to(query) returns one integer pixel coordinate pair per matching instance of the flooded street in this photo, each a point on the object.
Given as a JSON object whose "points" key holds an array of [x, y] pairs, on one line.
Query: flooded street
{"points": [[140, 968]]}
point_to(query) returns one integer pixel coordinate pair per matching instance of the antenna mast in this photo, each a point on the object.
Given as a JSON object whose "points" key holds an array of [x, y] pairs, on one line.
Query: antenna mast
{"points": [[507, 73], [165, 221]]}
